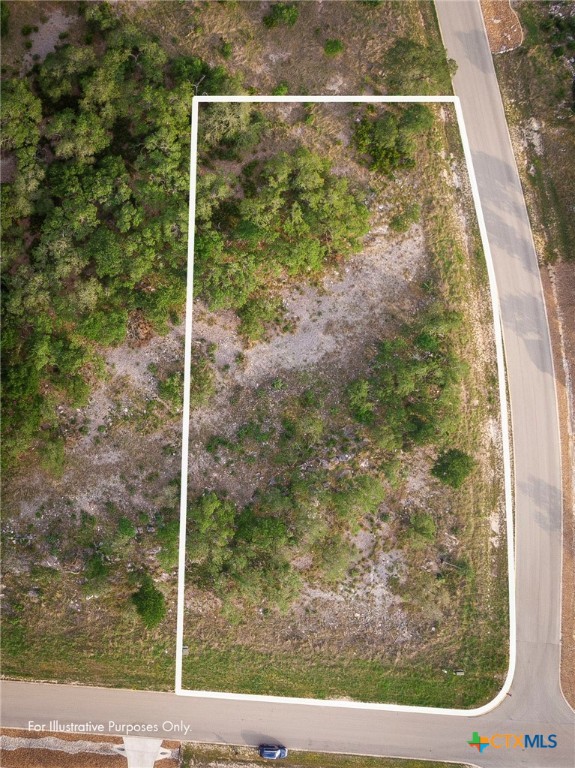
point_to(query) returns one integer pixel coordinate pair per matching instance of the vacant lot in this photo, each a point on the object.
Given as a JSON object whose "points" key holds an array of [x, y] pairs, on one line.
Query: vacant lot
{"points": [[282, 384], [377, 555]]}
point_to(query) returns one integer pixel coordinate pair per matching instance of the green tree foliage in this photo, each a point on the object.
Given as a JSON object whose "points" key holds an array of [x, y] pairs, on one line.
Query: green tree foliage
{"points": [[415, 68], [281, 13], [211, 527], [293, 218], [421, 529], [150, 602], [412, 394], [390, 139], [95, 221], [333, 47], [4, 19], [453, 467]]}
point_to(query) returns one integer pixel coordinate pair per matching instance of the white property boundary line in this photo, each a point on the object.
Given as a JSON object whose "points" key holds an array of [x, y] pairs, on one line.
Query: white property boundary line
{"points": [[502, 398]]}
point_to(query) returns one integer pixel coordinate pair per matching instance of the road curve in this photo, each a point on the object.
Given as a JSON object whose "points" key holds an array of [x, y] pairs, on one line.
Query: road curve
{"points": [[535, 704], [531, 379]]}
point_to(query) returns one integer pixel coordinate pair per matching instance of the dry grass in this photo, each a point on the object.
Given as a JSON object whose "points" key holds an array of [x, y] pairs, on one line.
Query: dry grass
{"points": [[267, 57]]}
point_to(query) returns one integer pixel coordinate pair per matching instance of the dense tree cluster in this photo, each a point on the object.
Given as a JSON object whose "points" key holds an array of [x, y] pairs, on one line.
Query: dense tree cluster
{"points": [[95, 220], [290, 218], [412, 395], [389, 139]]}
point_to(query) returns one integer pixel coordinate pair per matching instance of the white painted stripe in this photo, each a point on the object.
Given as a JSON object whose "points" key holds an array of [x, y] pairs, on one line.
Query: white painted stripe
{"points": [[502, 396], [186, 404]]}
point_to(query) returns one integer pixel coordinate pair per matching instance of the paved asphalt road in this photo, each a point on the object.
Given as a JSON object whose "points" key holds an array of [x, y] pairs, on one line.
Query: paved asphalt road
{"points": [[535, 704]]}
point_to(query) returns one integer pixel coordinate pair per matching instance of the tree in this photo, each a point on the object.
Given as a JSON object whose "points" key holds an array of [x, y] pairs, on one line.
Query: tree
{"points": [[453, 467], [77, 136], [414, 68], [281, 13]]}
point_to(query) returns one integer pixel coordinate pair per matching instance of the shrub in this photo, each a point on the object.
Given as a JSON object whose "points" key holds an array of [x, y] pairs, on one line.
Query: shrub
{"points": [[360, 401], [150, 603], [171, 389], [453, 467], [403, 221], [389, 139], [333, 47], [281, 89], [202, 384], [126, 528], [281, 13], [421, 529], [169, 536], [96, 569], [27, 29], [226, 49], [414, 68], [361, 497]]}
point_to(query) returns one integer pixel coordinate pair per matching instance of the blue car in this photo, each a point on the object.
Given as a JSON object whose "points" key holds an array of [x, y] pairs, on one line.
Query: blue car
{"points": [[272, 751]]}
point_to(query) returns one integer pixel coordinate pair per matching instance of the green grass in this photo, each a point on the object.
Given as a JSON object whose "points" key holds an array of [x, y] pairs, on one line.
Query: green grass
{"points": [[203, 754], [113, 659], [244, 670]]}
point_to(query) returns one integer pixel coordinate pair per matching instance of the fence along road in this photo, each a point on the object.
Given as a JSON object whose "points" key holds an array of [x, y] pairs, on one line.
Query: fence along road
{"points": [[535, 704]]}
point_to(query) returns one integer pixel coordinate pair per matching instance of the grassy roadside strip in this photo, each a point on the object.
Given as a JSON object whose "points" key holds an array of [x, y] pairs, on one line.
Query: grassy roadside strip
{"points": [[462, 266], [214, 755]]}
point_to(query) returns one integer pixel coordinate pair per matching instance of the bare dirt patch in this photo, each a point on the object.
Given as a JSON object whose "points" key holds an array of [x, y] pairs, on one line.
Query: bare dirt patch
{"points": [[27, 749], [51, 24], [502, 24]]}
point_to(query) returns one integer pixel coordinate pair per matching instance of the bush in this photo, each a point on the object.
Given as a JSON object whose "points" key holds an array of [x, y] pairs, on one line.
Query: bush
{"points": [[414, 68], [361, 403], [421, 529], [169, 537], [333, 47], [171, 389], [149, 602], [281, 89], [403, 221], [4, 19], [202, 383], [389, 138], [226, 49], [453, 467], [126, 528], [96, 569], [281, 13]]}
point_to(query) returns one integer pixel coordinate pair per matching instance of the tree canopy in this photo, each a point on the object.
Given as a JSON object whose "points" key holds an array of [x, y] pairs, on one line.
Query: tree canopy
{"points": [[95, 221]]}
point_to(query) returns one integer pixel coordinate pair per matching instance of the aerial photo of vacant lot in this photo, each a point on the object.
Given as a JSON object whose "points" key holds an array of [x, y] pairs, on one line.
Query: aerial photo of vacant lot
{"points": [[343, 390], [345, 522]]}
